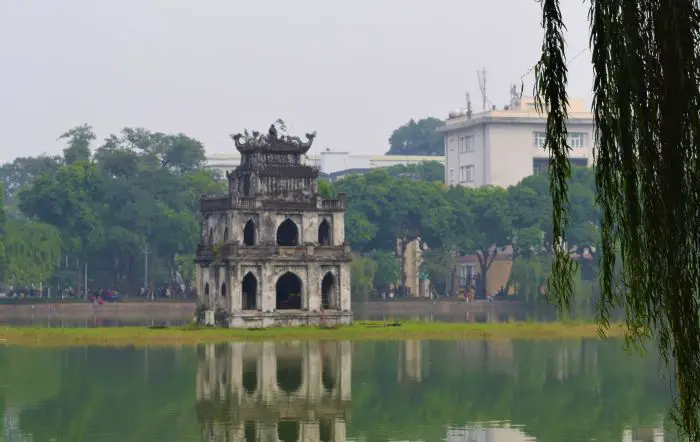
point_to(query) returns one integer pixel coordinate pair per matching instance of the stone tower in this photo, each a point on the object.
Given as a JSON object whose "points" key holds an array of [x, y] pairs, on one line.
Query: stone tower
{"points": [[273, 250]]}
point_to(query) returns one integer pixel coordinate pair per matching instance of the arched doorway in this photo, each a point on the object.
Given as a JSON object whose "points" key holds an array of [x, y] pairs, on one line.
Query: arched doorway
{"points": [[249, 233], [249, 292], [324, 233], [288, 234], [328, 297], [223, 289], [288, 291]]}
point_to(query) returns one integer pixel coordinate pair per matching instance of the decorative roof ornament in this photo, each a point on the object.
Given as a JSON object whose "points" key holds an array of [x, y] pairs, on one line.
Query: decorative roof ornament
{"points": [[272, 141]]}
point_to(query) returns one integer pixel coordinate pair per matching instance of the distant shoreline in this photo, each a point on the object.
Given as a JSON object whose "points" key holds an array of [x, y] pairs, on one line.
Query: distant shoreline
{"points": [[366, 330], [178, 309]]}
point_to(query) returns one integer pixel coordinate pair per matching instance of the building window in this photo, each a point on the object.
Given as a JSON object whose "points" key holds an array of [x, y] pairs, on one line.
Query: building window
{"points": [[466, 274], [540, 166], [467, 173], [577, 140], [466, 144], [452, 175], [538, 139]]}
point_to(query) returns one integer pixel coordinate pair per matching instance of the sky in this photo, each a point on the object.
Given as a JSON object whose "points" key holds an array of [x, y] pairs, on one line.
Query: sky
{"points": [[353, 71]]}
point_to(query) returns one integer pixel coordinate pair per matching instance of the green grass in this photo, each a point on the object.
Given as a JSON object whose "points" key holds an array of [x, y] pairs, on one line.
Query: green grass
{"points": [[375, 330]]}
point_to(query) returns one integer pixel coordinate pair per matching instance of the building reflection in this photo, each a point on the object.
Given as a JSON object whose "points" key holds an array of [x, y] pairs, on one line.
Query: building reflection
{"points": [[410, 363], [286, 391]]}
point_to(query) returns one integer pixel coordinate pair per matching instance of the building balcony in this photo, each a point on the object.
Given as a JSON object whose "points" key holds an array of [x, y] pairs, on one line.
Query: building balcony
{"points": [[223, 203], [332, 204], [214, 203]]}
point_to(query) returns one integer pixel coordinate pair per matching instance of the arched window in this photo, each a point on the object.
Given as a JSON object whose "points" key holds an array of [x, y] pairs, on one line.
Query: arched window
{"points": [[226, 234], [206, 290], [211, 236], [288, 234], [328, 292], [249, 292], [223, 289], [324, 233], [288, 291], [249, 233]]}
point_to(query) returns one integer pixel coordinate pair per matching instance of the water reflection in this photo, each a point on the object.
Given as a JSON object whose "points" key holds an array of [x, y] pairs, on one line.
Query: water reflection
{"points": [[292, 391], [497, 390]]}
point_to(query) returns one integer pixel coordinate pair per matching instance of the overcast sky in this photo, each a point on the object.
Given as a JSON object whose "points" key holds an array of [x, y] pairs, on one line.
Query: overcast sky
{"points": [[353, 70]]}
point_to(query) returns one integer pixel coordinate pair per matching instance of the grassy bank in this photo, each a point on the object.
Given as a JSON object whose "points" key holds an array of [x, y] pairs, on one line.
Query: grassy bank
{"points": [[138, 336]]}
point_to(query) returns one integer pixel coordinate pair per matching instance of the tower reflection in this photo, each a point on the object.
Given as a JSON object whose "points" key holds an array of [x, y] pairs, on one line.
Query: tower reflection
{"points": [[270, 391]]}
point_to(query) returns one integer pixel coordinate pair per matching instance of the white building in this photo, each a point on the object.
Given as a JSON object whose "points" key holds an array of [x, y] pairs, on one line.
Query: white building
{"points": [[501, 147], [333, 164]]}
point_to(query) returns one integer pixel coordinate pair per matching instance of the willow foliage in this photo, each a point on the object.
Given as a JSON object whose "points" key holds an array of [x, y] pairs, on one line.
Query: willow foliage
{"points": [[647, 164]]}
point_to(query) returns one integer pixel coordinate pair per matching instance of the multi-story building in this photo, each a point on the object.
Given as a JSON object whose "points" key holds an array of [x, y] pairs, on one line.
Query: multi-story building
{"points": [[501, 147], [333, 165]]}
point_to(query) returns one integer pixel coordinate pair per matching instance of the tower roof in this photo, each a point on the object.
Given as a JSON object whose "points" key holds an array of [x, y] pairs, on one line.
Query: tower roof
{"points": [[272, 142]]}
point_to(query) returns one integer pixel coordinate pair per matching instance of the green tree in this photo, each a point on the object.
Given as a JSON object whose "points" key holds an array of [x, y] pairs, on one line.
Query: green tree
{"points": [[78, 148], [491, 229], [418, 138], [140, 188], [440, 265], [646, 92], [33, 250], [21, 173], [362, 271], [388, 270], [425, 171]]}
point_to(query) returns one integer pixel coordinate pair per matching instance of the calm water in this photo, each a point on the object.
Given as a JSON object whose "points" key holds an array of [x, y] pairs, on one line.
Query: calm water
{"points": [[497, 391]]}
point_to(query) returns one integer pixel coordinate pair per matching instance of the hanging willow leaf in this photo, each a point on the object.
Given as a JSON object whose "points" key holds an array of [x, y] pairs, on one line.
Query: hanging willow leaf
{"points": [[647, 164]]}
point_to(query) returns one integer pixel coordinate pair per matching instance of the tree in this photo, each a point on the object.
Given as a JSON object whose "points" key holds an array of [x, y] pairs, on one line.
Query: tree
{"points": [[425, 171], [418, 138], [646, 94], [78, 148], [362, 271], [33, 251], [387, 271], [491, 230], [21, 173], [140, 188]]}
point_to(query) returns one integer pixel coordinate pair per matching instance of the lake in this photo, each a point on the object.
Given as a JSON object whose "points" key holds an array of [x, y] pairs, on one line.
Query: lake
{"points": [[496, 391]]}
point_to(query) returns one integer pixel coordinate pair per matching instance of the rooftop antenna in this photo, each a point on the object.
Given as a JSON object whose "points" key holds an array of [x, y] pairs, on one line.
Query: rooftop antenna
{"points": [[482, 85], [469, 106], [515, 97]]}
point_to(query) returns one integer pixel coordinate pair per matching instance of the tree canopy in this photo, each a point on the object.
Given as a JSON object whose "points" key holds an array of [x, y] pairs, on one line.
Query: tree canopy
{"points": [[103, 206], [646, 96], [418, 138], [384, 206]]}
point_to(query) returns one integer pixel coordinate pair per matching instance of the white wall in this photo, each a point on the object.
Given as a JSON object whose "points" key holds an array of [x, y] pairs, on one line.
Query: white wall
{"points": [[504, 151]]}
